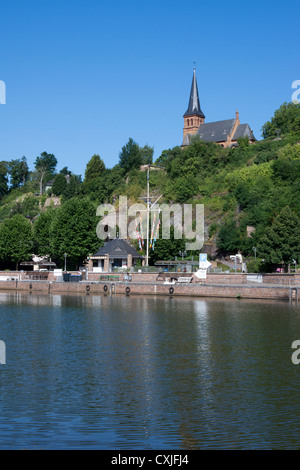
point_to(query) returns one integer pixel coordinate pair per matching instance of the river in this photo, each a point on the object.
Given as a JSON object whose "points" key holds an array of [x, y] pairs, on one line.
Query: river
{"points": [[143, 372]]}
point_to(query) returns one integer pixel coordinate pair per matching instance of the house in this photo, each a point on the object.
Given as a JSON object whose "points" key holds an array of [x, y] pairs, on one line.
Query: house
{"points": [[48, 185], [114, 254], [39, 263], [225, 133]]}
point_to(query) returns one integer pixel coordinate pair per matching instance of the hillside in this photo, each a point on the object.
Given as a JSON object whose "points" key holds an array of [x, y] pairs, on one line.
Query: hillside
{"points": [[243, 189]]}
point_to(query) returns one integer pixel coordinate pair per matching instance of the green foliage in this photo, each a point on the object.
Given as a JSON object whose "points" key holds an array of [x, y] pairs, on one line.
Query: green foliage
{"points": [[286, 169], [212, 229], [291, 151], [65, 171], [229, 238], [59, 184], [185, 187], [167, 157], [16, 239], [130, 156], [281, 241], [166, 249], [243, 142], [3, 179], [41, 232], [73, 187], [45, 166], [19, 172], [73, 231], [255, 266], [29, 207], [94, 169], [146, 153], [249, 174], [286, 119], [102, 189]]}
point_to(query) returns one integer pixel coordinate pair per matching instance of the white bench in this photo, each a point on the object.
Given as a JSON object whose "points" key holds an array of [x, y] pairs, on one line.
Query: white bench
{"points": [[185, 279]]}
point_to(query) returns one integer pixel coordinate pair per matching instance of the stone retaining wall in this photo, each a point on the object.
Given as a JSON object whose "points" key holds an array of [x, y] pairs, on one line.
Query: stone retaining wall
{"points": [[189, 290]]}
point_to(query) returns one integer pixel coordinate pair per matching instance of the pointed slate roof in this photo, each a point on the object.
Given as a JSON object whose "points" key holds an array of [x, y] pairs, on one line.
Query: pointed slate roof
{"points": [[243, 130], [194, 103], [117, 249]]}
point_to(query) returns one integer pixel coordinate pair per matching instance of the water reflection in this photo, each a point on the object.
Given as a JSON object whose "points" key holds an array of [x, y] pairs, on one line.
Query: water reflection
{"points": [[134, 372]]}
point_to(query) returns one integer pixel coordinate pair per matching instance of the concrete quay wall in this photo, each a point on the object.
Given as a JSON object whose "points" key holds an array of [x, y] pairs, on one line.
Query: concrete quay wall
{"points": [[189, 290]]}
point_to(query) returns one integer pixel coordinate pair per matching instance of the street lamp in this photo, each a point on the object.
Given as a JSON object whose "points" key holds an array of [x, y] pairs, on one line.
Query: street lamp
{"points": [[254, 249], [65, 255], [295, 263], [182, 254]]}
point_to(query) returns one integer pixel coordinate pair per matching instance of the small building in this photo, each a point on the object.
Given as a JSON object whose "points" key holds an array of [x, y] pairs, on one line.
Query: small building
{"points": [[114, 254], [48, 185], [39, 263]]}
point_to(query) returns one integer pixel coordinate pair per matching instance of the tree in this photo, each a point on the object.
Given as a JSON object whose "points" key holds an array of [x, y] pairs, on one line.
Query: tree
{"points": [[73, 231], [146, 153], [72, 188], [93, 178], [19, 172], [101, 189], [3, 178], [167, 156], [41, 232], [229, 237], [59, 184], [16, 239], [45, 166], [281, 241], [166, 249], [65, 171], [185, 187], [94, 168], [130, 156], [286, 119]]}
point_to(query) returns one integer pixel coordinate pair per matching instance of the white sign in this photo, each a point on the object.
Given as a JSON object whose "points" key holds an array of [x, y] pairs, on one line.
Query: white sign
{"points": [[201, 274], [203, 263]]}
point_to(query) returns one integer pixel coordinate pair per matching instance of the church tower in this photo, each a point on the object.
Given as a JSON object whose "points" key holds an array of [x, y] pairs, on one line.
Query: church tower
{"points": [[193, 117]]}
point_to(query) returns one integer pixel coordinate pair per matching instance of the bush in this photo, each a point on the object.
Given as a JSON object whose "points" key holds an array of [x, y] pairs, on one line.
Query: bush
{"points": [[254, 266]]}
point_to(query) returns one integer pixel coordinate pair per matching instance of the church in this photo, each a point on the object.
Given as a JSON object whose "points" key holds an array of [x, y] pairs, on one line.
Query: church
{"points": [[224, 132]]}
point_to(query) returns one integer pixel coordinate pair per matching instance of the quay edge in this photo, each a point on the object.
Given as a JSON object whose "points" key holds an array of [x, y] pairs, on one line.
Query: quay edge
{"points": [[207, 289]]}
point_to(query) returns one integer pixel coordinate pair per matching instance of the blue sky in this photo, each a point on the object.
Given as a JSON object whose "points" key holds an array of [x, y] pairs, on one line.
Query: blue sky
{"points": [[82, 77]]}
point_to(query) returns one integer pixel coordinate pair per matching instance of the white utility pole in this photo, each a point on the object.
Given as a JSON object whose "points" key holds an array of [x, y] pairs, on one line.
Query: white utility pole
{"points": [[149, 208]]}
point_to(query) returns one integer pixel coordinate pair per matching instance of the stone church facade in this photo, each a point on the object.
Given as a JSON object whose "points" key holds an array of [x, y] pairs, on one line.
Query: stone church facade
{"points": [[224, 133]]}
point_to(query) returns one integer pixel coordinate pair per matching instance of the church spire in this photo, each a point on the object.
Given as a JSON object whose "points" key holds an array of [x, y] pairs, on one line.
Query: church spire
{"points": [[193, 117], [194, 103]]}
